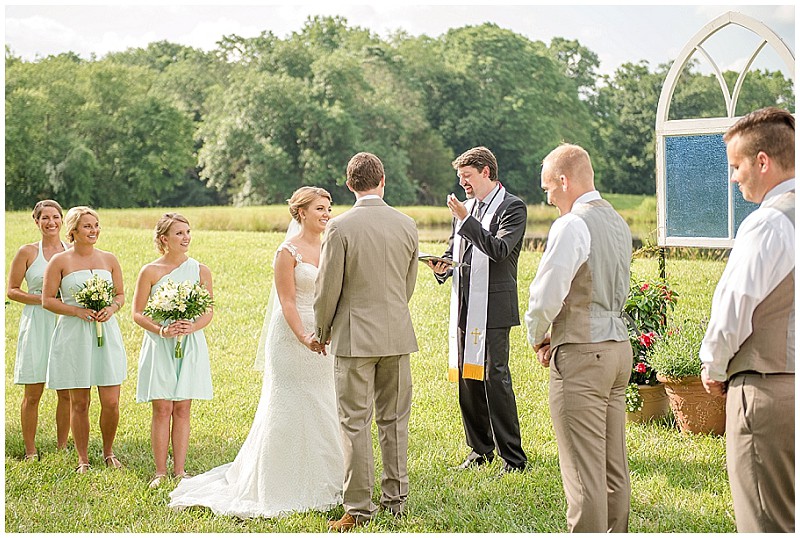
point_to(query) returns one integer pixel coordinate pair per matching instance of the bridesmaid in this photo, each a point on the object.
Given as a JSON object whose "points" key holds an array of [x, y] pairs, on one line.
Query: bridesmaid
{"points": [[76, 361], [170, 383], [36, 325]]}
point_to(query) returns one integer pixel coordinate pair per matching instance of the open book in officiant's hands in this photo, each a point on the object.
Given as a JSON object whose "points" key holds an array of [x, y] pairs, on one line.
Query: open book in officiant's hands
{"points": [[438, 259]]}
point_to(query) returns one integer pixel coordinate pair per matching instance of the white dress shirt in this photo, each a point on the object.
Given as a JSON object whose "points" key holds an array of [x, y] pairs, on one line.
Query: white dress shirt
{"points": [[762, 256], [568, 245]]}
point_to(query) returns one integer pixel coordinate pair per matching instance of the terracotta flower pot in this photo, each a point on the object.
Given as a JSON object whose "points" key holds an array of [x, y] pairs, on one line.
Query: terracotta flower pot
{"points": [[695, 410], [655, 404]]}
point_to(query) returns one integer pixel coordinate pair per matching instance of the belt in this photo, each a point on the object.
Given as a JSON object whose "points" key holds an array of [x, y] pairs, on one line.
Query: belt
{"points": [[763, 374]]}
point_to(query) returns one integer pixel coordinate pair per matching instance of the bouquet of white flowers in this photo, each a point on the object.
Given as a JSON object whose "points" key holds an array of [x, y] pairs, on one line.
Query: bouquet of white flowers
{"points": [[173, 301], [96, 294]]}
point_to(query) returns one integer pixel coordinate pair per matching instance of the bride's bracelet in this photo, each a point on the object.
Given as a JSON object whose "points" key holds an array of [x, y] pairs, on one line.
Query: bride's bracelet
{"points": [[161, 331]]}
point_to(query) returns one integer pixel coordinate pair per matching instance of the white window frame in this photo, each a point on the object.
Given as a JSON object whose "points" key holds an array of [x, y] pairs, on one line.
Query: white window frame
{"points": [[705, 126]]}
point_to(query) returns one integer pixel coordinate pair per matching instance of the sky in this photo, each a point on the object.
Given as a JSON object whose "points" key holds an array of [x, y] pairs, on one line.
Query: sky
{"points": [[617, 34]]}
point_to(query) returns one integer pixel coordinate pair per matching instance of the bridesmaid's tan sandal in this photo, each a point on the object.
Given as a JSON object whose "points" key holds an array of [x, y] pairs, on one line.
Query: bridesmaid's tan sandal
{"points": [[32, 457], [112, 461], [83, 468], [157, 481]]}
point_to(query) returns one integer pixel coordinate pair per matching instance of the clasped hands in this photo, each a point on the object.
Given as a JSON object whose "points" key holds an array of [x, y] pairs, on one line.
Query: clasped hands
{"points": [[311, 342], [542, 350], [713, 387], [181, 327], [101, 315]]}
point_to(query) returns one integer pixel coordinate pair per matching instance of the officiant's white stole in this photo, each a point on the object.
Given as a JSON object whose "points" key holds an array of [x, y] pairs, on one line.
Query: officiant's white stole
{"points": [[475, 337]]}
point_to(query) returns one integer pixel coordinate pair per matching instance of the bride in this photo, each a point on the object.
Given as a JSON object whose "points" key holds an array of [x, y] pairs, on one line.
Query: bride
{"points": [[292, 458]]}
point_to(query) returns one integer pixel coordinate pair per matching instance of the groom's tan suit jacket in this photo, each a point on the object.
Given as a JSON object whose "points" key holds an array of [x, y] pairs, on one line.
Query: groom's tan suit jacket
{"points": [[368, 269]]}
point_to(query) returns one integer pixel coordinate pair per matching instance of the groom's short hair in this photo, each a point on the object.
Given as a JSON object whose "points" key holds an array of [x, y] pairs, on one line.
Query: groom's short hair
{"points": [[364, 172]]}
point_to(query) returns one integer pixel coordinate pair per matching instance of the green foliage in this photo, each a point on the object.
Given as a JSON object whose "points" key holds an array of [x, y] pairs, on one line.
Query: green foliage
{"points": [[484, 85], [91, 133], [633, 399], [255, 118], [677, 355], [679, 484], [647, 306]]}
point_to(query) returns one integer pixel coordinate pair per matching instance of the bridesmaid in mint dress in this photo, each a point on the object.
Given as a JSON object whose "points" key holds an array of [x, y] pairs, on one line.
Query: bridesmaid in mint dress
{"points": [[171, 383], [36, 325], [76, 361]]}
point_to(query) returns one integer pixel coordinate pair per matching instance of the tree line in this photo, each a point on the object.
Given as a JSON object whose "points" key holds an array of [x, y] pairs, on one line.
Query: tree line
{"points": [[255, 118]]}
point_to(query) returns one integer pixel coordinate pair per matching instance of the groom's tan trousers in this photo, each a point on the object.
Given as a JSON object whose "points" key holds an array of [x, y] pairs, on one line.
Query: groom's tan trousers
{"points": [[587, 405], [382, 383]]}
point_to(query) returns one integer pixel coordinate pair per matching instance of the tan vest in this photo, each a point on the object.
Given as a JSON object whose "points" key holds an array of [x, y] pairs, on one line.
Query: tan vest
{"points": [[592, 309], [770, 348]]}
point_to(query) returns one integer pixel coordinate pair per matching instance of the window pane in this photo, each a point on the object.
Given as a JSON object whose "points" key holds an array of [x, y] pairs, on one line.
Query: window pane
{"points": [[696, 186]]}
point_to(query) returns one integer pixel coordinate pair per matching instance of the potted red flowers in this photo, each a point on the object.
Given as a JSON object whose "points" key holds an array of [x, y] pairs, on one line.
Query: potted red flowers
{"points": [[646, 309]]}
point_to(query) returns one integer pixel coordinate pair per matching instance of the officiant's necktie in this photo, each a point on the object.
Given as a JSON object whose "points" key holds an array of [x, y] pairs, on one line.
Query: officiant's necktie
{"points": [[481, 209]]}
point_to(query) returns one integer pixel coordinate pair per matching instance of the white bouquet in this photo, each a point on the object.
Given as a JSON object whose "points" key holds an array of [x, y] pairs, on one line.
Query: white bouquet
{"points": [[173, 301], [96, 294]]}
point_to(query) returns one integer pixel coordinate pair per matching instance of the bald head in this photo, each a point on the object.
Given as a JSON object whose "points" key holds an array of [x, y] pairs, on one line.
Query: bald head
{"points": [[571, 161], [566, 175]]}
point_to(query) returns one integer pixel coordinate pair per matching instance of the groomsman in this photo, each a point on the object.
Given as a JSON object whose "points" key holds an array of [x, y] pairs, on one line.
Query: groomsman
{"points": [[748, 348], [580, 288], [367, 273], [488, 231]]}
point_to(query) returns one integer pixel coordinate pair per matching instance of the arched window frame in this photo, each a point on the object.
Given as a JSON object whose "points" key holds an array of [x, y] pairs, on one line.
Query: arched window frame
{"points": [[706, 126]]}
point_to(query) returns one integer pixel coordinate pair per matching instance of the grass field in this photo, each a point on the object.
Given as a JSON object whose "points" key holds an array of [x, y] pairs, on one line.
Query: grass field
{"points": [[679, 482]]}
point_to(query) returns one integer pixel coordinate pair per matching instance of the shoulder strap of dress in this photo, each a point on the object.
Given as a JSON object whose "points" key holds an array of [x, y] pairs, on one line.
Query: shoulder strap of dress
{"points": [[39, 254], [292, 250]]}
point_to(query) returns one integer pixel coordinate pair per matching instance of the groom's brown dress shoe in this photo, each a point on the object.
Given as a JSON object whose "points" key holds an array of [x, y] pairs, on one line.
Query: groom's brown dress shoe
{"points": [[345, 524]]}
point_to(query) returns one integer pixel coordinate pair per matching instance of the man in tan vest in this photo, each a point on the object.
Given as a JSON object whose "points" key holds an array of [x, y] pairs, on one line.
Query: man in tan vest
{"points": [[748, 349], [367, 273], [580, 288]]}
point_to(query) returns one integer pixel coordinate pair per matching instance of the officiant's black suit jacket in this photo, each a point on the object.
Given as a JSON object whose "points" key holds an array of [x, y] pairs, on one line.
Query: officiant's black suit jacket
{"points": [[502, 243]]}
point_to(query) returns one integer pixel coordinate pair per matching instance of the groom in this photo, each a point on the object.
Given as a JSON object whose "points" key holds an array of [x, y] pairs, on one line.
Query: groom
{"points": [[367, 273]]}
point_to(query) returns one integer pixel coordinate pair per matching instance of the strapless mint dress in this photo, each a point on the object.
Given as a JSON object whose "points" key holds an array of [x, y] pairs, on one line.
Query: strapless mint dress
{"points": [[76, 361]]}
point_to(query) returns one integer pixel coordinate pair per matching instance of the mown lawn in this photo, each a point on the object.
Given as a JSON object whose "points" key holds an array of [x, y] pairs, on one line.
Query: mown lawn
{"points": [[679, 482]]}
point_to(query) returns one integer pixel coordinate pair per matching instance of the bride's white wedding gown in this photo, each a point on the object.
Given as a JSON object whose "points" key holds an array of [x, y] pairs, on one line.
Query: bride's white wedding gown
{"points": [[292, 458]]}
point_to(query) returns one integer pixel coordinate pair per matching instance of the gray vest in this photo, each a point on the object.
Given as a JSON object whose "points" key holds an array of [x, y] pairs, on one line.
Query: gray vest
{"points": [[592, 309], [770, 348]]}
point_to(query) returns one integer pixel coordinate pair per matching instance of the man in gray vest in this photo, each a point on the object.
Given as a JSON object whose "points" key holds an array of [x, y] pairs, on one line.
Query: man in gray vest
{"points": [[748, 349], [580, 288]]}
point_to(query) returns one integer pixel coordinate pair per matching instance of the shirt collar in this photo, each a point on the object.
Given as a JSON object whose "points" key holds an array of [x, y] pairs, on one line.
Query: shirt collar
{"points": [[369, 197], [587, 197], [490, 193], [779, 189]]}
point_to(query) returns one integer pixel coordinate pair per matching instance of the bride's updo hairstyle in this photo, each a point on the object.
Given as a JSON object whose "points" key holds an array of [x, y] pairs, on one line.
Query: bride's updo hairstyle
{"points": [[162, 228], [303, 197], [73, 216]]}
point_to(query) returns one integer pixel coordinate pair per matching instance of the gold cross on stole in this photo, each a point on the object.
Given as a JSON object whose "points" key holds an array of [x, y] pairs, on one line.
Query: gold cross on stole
{"points": [[475, 333]]}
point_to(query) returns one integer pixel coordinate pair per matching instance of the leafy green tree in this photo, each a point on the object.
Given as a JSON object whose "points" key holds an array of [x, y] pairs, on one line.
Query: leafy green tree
{"points": [[624, 136], [492, 87], [91, 133], [578, 62]]}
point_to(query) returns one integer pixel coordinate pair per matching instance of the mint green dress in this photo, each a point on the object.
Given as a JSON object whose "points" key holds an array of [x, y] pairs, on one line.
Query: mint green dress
{"points": [[36, 326], [161, 375], [76, 361]]}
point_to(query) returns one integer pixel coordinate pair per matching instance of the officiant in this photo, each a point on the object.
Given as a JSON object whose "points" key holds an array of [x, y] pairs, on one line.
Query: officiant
{"points": [[488, 231]]}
